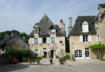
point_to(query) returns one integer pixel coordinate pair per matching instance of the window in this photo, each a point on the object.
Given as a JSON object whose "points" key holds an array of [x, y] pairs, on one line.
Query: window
{"points": [[85, 38], [60, 41], [53, 39], [36, 30], [44, 48], [36, 40], [44, 40], [85, 27], [53, 31], [78, 53], [87, 52]]}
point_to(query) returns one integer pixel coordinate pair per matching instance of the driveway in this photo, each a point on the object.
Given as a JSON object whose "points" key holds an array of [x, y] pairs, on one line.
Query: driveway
{"points": [[82, 66]]}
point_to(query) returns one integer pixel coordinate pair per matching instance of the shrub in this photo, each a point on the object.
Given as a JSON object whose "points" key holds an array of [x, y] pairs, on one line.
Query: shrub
{"points": [[37, 59], [20, 54], [67, 57], [62, 60], [51, 61]]}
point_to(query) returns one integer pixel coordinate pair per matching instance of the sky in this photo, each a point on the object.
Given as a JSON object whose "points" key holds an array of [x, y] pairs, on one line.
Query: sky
{"points": [[21, 15]]}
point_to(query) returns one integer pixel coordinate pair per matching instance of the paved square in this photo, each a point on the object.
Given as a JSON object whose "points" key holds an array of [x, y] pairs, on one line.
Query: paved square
{"points": [[87, 66]]}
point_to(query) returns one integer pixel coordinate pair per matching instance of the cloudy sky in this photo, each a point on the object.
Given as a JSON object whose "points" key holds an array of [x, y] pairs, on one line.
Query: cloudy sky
{"points": [[23, 14]]}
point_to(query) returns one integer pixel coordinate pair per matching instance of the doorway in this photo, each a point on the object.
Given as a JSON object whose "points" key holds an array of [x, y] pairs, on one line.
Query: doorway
{"points": [[52, 53], [45, 54]]}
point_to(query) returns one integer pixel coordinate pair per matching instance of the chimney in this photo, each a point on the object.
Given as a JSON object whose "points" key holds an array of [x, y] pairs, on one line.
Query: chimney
{"points": [[61, 21], [70, 23], [62, 25], [6, 36]]}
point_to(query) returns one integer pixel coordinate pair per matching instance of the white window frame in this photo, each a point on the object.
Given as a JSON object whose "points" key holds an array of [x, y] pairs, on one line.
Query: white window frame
{"points": [[35, 40], [53, 39], [85, 27]]}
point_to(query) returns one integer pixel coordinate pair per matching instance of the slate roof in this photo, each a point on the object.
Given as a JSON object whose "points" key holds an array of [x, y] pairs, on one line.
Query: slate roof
{"points": [[77, 29], [44, 26], [12, 39], [102, 5]]}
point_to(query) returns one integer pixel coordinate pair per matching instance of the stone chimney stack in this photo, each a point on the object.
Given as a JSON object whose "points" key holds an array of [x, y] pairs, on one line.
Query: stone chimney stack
{"points": [[6, 36], [62, 25], [70, 24]]}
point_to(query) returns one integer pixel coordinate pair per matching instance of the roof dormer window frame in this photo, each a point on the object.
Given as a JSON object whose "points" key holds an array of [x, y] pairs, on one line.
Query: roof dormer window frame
{"points": [[85, 27]]}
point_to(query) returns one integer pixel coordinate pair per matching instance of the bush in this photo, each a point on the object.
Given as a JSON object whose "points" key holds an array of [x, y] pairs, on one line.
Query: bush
{"points": [[67, 57], [51, 61], [62, 60], [20, 54], [37, 59], [102, 59]]}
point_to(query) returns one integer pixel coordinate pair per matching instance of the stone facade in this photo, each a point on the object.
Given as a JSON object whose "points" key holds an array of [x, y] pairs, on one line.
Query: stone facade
{"points": [[75, 44], [80, 40], [100, 23], [50, 45]]}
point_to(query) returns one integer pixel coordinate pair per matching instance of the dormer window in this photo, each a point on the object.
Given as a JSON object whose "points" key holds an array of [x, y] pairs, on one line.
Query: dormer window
{"points": [[52, 31], [85, 27], [36, 30]]}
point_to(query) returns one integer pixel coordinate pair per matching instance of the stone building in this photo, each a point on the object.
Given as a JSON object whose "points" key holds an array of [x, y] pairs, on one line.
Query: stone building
{"points": [[12, 41], [82, 35], [48, 39], [100, 23]]}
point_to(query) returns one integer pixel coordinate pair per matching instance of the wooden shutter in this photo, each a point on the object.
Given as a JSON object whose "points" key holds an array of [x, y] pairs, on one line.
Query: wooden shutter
{"points": [[96, 38], [48, 40], [32, 40], [81, 38], [89, 38], [40, 40], [55, 39]]}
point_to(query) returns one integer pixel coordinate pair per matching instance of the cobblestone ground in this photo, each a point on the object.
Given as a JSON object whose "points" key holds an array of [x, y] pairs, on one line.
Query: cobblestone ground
{"points": [[82, 66]]}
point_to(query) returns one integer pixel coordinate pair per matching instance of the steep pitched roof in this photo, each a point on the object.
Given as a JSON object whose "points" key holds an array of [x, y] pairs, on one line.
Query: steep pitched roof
{"points": [[77, 29], [102, 5], [44, 26]]}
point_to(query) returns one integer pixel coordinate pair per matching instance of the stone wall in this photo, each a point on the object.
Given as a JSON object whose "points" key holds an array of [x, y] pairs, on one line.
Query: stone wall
{"points": [[75, 44], [47, 47]]}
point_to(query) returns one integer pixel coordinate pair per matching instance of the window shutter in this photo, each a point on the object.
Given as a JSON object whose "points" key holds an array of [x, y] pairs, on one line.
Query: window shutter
{"points": [[48, 40], [38, 51], [40, 40], [55, 39], [89, 38], [32, 40], [96, 38], [81, 38]]}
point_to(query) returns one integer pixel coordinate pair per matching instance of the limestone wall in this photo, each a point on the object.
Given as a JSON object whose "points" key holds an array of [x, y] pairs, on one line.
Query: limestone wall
{"points": [[75, 44]]}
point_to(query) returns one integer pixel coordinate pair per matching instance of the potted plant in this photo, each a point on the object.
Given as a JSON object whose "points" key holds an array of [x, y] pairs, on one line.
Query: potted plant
{"points": [[62, 60], [51, 61], [38, 59]]}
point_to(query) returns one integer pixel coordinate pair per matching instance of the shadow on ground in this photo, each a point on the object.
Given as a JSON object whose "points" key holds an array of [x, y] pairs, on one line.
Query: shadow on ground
{"points": [[13, 67]]}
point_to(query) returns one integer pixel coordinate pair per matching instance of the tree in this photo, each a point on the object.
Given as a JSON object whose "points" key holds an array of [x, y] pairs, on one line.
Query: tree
{"points": [[99, 48]]}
